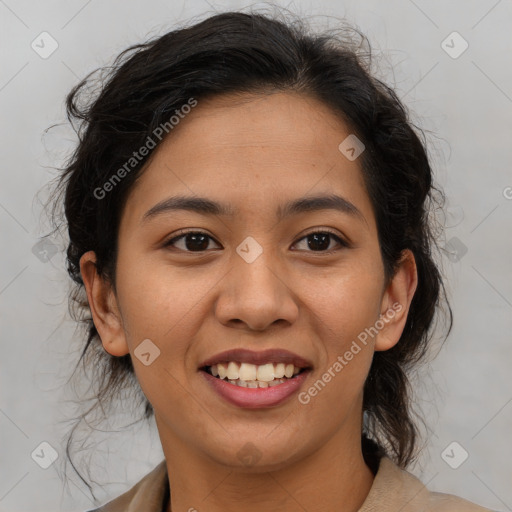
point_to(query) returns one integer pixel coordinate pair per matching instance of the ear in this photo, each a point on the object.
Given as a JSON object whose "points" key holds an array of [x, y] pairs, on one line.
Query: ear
{"points": [[104, 308], [396, 302]]}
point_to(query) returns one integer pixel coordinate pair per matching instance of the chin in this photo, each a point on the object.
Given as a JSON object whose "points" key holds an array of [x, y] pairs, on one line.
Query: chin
{"points": [[256, 456]]}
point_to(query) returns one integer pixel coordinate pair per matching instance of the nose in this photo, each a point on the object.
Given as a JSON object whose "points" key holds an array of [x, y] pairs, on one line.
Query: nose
{"points": [[257, 295]]}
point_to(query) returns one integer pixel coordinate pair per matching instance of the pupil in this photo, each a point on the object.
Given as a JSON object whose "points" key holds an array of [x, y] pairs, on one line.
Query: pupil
{"points": [[195, 238], [319, 238]]}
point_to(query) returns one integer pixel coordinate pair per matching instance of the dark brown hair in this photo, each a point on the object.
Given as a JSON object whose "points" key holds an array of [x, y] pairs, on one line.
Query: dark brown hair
{"points": [[255, 53]]}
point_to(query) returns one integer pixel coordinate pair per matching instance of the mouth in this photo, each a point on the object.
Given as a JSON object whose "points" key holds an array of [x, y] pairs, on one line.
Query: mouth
{"points": [[253, 376], [255, 379]]}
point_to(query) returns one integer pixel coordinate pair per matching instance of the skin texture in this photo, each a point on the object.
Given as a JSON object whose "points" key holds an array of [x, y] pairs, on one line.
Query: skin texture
{"points": [[253, 153]]}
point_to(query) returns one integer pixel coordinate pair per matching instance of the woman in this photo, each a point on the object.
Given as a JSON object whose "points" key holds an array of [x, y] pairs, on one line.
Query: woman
{"points": [[248, 212]]}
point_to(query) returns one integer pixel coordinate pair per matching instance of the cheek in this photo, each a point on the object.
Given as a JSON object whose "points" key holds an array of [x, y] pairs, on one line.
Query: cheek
{"points": [[345, 308], [158, 304], [157, 301], [347, 300]]}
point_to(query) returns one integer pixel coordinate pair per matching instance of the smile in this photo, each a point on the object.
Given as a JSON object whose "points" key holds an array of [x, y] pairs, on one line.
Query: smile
{"points": [[253, 393], [248, 375], [255, 379]]}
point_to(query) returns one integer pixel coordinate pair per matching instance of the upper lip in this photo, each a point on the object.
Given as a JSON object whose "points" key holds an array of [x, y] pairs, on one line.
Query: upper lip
{"points": [[257, 358]]}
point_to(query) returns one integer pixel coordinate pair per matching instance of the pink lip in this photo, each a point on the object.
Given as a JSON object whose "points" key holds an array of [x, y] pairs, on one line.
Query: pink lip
{"points": [[255, 398], [241, 355]]}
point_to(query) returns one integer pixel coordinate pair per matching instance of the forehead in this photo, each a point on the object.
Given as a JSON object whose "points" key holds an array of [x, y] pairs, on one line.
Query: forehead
{"points": [[250, 151], [286, 121]]}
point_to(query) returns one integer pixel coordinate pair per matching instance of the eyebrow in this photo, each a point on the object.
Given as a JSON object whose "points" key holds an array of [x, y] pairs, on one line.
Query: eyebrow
{"points": [[205, 206]]}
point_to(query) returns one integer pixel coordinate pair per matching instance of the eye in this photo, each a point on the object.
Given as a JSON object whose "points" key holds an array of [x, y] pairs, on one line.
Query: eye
{"points": [[320, 241], [193, 241]]}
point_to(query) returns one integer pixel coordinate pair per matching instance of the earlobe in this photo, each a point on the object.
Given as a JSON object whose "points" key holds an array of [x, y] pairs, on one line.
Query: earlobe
{"points": [[104, 308], [396, 302]]}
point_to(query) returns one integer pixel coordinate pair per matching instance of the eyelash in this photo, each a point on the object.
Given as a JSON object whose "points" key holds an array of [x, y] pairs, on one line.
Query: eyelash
{"points": [[340, 240]]}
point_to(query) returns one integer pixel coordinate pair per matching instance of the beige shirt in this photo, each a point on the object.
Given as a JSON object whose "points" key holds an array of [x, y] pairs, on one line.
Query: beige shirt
{"points": [[393, 490]]}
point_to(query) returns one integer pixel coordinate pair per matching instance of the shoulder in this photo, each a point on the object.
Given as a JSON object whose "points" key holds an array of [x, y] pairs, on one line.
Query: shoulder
{"points": [[395, 489], [149, 494]]}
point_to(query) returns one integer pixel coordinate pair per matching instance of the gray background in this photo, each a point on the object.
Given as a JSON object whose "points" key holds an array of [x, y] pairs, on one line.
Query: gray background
{"points": [[465, 102]]}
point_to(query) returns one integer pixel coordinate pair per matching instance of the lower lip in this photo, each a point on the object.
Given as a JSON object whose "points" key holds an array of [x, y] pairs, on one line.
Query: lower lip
{"points": [[254, 398]]}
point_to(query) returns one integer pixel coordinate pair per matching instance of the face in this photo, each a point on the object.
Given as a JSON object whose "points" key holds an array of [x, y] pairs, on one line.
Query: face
{"points": [[290, 285]]}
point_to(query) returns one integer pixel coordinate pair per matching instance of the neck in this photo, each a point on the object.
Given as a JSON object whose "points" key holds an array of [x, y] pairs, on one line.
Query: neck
{"points": [[334, 477]]}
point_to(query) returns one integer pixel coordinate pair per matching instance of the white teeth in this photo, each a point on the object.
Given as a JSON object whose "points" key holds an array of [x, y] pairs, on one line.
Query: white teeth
{"points": [[222, 371], [251, 375], [232, 372], [288, 371], [279, 370], [266, 372], [247, 371], [255, 383]]}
